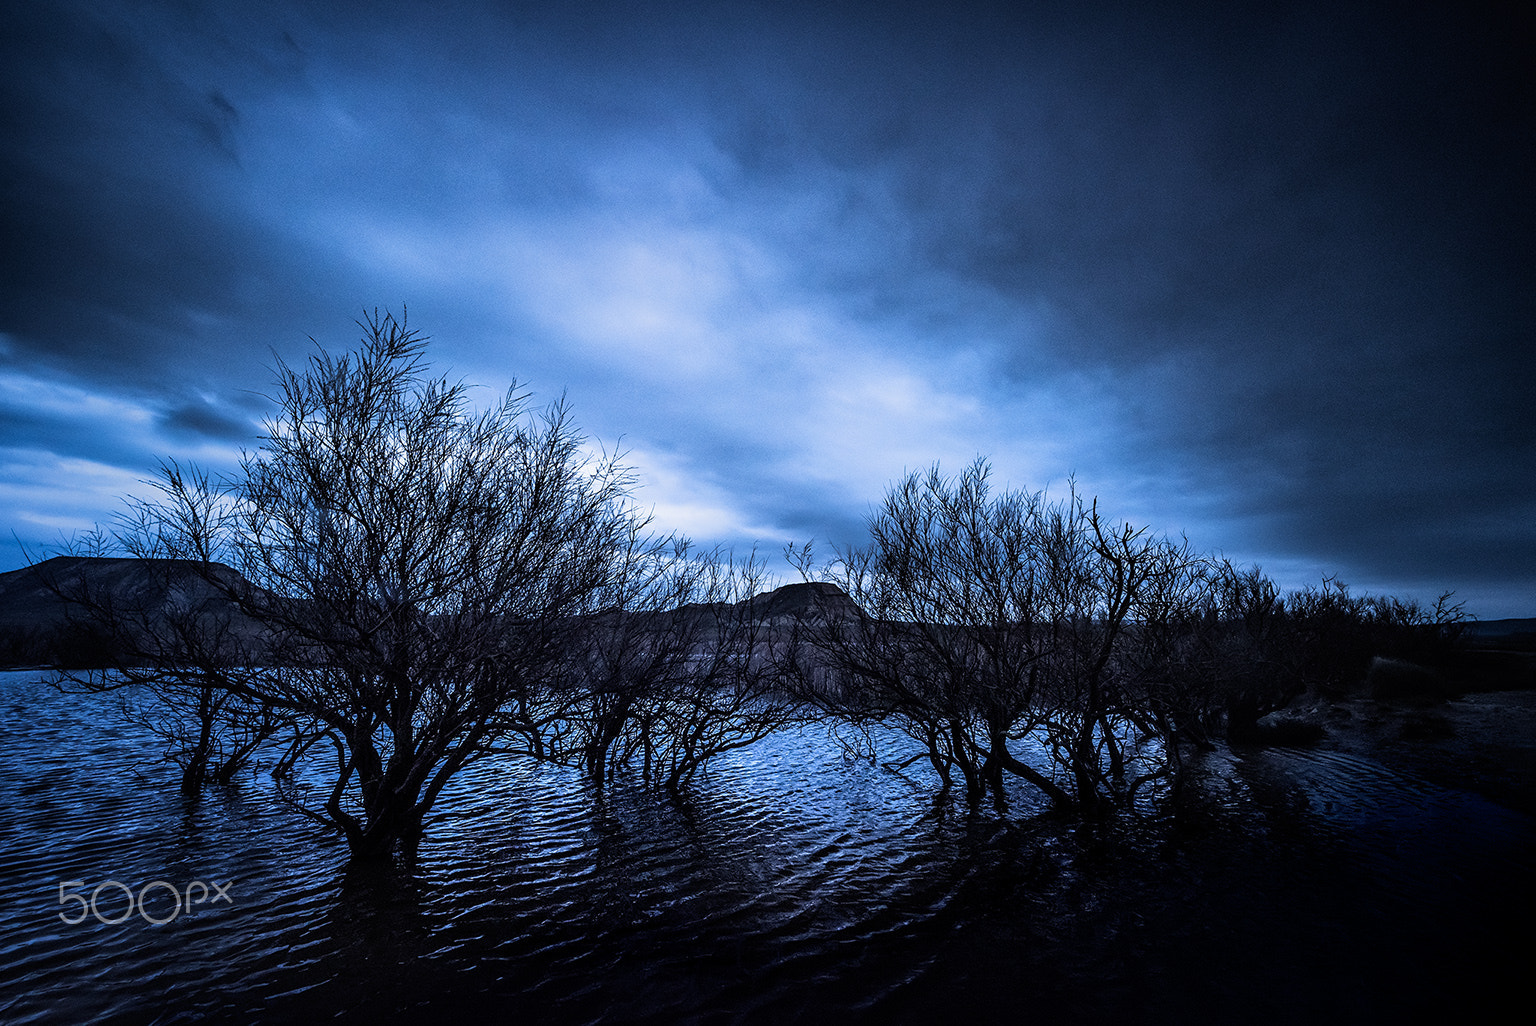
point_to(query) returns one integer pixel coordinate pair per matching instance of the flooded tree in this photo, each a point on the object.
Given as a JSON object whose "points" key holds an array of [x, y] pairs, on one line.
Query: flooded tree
{"points": [[676, 669], [1226, 648], [991, 621], [413, 567], [159, 634], [725, 691]]}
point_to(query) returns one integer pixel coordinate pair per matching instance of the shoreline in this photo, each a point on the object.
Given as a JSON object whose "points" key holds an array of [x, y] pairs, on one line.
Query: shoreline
{"points": [[1483, 742]]}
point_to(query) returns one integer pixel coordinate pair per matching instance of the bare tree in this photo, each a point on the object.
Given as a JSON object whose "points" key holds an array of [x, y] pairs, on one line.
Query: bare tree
{"points": [[988, 619], [414, 567], [160, 634], [725, 693], [677, 669]]}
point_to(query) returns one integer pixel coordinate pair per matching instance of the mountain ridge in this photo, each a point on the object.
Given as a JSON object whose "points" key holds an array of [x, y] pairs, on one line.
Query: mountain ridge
{"points": [[36, 616]]}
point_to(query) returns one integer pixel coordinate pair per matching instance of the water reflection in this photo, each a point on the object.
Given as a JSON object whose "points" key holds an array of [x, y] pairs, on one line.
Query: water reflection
{"points": [[790, 884]]}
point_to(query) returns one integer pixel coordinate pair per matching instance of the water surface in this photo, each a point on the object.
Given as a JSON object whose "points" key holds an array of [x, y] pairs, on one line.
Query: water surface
{"points": [[1281, 886]]}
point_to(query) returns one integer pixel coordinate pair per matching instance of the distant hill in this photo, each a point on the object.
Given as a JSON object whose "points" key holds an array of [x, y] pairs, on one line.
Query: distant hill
{"points": [[1517, 633], [35, 595], [812, 598], [40, 621], [1502, 628], [40, 625]]}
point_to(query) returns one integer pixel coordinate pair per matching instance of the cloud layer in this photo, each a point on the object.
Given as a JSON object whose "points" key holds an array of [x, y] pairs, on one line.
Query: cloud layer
{"points": [[1262, 278]]}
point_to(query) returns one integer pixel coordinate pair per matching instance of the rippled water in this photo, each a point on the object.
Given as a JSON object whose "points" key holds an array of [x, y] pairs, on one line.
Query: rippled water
{"points": [[1283, 885]]}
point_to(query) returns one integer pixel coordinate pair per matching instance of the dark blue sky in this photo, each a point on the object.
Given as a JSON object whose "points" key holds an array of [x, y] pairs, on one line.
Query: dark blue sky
{"points": [[1262, 278]]}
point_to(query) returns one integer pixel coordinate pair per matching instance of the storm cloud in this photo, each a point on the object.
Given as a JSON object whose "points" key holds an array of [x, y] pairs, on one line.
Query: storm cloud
{"points": [[1260, 277]]}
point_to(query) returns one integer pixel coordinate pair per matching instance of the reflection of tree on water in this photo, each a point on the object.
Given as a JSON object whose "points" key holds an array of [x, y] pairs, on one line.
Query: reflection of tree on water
{"points": [[1278, 884], [383, 912]]}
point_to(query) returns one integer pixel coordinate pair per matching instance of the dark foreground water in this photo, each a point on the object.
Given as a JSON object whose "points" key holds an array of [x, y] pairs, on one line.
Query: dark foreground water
{"points": [[1286, 886]]}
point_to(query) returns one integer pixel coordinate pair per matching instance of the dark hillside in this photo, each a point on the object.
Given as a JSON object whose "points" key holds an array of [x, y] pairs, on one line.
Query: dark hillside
{"points": [[43, 621], [1517, 634], [40, 625], [801, 600]]}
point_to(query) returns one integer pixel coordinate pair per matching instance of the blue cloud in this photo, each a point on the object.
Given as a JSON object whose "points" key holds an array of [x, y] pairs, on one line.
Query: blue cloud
{"points": [[1257, 276]]}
